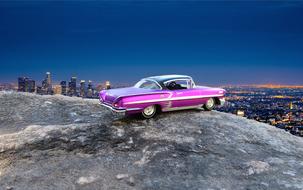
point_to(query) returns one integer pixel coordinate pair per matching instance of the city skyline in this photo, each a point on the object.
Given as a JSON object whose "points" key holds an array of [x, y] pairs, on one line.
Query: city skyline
{"points": [[102, 82], [119, 83], [56, 81], [217, 43], [280, 106], [66, 88]]}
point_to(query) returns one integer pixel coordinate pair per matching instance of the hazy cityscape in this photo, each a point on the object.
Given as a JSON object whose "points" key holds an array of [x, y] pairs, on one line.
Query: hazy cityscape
{"points": [[280, 106], [277, 105], [66, 88]]}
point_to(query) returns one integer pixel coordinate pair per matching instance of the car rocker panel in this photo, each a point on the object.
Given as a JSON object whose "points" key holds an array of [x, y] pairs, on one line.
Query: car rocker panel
{"points": [[165, 93]]}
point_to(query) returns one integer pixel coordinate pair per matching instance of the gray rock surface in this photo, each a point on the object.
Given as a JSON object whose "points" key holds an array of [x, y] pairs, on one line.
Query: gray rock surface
{"points": [[57, 142]]}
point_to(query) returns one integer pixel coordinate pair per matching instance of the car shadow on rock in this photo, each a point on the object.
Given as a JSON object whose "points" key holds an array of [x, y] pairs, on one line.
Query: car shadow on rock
{"points": [[159, 115]]}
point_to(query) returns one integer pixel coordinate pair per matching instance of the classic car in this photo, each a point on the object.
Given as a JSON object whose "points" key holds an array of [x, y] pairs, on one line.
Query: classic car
{"points": [[160, 94]]}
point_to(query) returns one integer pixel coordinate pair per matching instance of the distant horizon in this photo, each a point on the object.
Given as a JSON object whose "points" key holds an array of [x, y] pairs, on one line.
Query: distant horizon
{"points": [[251, 42], [138, 78], [56, 82]]}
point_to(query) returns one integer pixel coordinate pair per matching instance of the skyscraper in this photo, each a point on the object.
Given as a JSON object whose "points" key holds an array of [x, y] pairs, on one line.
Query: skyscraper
{"points": [[21, 84], [89, 89], [44, 87], [82, 88], [31, 86], [47, 84], [72, 87], [107, 85], [26, 85], [63, 87], [48, 78]]}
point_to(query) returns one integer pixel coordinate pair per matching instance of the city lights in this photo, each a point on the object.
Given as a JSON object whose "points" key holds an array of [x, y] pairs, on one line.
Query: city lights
{"points": [[69, 88], [281, 107], [278, 105]]}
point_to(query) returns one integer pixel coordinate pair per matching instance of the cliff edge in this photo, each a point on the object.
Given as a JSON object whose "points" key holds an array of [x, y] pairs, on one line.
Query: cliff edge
{"points": [[58, 142]]}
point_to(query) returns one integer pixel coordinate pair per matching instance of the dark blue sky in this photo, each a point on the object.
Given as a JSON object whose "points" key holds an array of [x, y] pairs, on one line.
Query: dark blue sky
{"points": [[122, 41]]}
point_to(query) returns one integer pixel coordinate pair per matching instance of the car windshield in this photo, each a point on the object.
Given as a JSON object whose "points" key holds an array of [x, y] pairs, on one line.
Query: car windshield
{"points": [[147, 84]]}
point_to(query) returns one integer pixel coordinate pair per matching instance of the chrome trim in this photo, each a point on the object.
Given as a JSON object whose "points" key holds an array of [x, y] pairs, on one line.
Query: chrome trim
{"points": [[188, 80], [170, 75], [112, 108], [147, 79], [182, 108], [118, 110], [156, 83], [133, 109], [147, 93], [172, 99], [193, 83]]}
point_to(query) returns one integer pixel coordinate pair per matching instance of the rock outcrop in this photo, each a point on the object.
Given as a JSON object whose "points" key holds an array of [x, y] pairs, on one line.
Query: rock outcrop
{"points": [[57, 142]]}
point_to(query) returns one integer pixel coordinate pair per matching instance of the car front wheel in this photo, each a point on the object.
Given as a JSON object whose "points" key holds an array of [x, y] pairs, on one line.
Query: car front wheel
{"points": [[149, 111], [210, 104]]}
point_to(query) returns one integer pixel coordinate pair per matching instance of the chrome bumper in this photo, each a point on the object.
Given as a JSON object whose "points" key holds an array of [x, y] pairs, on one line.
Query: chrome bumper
{"points": [[113, 109], [120, 111]]}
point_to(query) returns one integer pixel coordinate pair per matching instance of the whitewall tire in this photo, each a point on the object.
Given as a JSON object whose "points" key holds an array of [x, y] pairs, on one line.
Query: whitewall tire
{"points": [[210, 104], [149, 111]]}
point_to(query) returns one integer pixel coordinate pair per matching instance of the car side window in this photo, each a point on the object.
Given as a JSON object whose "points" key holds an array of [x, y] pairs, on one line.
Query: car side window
{"points": [[178, 84], [147, 85]]}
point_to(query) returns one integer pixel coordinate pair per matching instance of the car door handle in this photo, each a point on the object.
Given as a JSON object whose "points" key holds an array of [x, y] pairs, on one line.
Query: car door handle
{"points": [[179, 93]]}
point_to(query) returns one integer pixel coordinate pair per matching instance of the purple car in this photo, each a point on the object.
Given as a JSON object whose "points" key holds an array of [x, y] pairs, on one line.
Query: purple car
{"points": [[161, 93]]}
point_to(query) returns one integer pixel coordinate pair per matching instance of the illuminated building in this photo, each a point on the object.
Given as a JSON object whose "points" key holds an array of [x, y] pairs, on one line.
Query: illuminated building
{"points": [[82, 88], [31, 87], [240, 113], [291, 106], [63, 87], [26, 85], [48, 79], [44, 87], [89, 89], [57, 89], [72, 87], [107, 85], [21, 84], [47, 84]]}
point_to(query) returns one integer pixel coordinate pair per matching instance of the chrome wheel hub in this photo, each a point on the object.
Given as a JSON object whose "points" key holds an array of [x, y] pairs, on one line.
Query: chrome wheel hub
{"points": [[210, 103], [149, 110]]}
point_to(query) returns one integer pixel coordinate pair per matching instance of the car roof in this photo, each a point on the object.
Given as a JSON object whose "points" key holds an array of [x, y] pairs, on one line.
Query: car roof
{"points": [[163, 78]]}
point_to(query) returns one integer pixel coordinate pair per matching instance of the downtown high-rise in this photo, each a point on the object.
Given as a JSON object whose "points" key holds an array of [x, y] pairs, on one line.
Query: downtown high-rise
{"points": [[72, 87], [26, 84]]}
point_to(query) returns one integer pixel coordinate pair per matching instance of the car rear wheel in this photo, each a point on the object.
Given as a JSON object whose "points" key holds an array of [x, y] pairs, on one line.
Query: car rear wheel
{"points": [[149, 111], [210, 104]]}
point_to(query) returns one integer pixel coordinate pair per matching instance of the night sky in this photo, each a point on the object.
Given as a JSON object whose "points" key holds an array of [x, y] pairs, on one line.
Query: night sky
{"points": [[123, 41]]}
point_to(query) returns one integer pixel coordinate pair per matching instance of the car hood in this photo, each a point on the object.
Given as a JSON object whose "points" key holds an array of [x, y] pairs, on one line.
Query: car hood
{"points": [[111, 95]]}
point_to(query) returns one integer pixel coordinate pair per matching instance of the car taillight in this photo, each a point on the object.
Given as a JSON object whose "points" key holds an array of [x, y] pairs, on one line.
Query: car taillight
{"points": [[116, 105]]}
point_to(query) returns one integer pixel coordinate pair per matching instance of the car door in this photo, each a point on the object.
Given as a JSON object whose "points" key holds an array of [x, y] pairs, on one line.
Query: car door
{"points": [[184, 97]]}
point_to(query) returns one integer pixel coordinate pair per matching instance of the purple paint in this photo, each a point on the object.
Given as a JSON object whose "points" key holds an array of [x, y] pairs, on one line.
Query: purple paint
{"points": [[167, 92]]}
